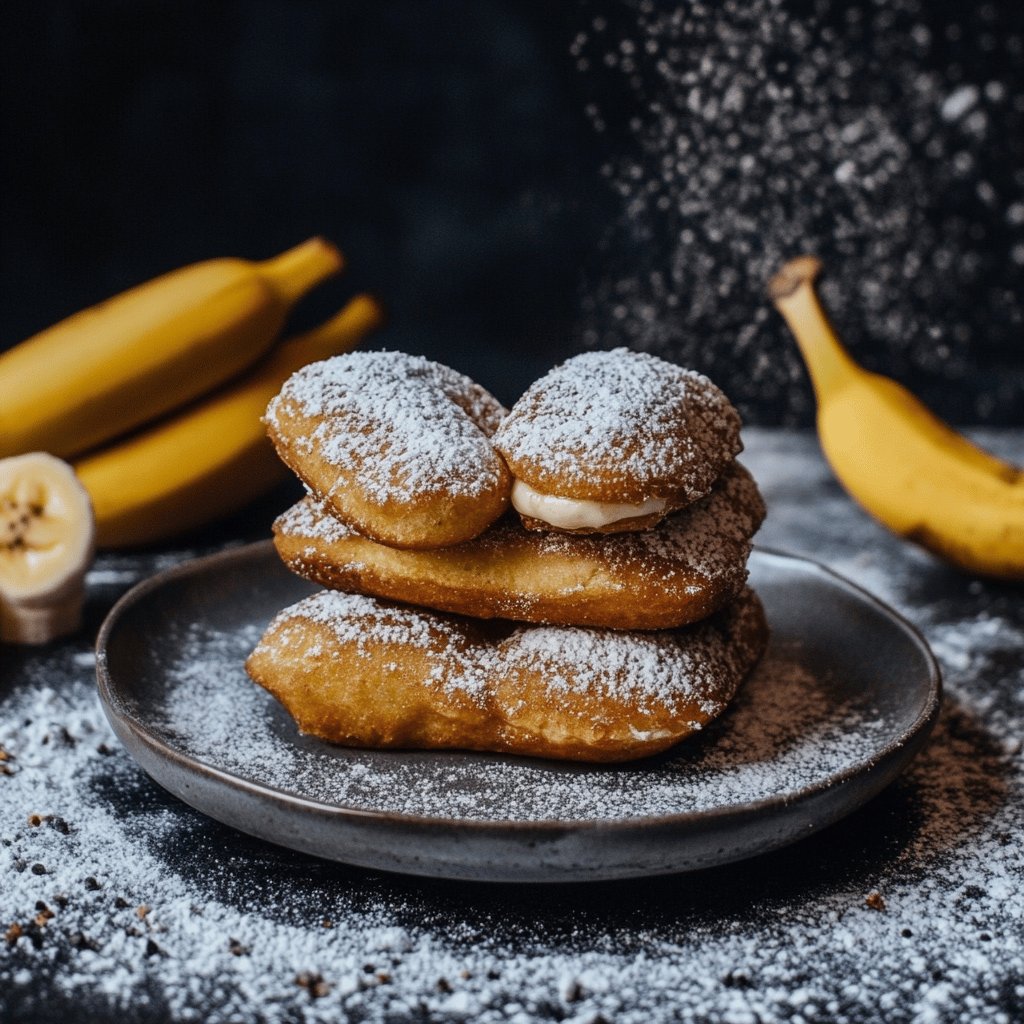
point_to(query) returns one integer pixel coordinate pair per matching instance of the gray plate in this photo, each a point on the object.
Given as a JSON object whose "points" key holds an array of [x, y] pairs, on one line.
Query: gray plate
{"points": [[845, 697]]}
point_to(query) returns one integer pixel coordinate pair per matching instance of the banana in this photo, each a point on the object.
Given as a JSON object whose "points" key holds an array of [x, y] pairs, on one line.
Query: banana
{"points": [[907, 468], [46, 545], [210, 459], [111, 368]]}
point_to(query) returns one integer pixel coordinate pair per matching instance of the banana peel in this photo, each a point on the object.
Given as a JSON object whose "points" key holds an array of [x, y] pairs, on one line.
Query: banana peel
{"points": [[912, 472], [120, 364]]}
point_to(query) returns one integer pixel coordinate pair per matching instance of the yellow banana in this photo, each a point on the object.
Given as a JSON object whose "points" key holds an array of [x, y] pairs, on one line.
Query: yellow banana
{"points": [[111, 368], [212, 458], [907, 468]]}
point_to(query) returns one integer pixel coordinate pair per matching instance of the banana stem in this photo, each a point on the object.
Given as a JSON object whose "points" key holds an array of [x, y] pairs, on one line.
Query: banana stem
{"points": [[294, 272], [793, 293]]}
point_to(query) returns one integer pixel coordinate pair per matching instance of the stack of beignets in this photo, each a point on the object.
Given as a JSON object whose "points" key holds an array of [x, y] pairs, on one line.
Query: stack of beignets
{"points": [[602, 617]]}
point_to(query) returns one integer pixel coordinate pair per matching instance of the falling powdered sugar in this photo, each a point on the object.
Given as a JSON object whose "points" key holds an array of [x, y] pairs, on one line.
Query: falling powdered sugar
{"points": [[886, 138]]}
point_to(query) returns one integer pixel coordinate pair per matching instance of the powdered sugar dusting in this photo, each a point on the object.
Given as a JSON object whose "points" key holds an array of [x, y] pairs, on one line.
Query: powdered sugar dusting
{"points": [[238, 930], [708, 536], [366, 625], [401, 425], [641, 422], [311, 519], [647, 672], [711, 539], [781, 733], [353, 618]]}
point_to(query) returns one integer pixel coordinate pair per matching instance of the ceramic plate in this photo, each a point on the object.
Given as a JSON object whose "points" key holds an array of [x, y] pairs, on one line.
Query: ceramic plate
{"points": [[844, 698]]}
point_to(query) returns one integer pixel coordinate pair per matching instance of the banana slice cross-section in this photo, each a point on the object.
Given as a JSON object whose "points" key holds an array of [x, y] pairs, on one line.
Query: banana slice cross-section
{"points": [[47, 538]]}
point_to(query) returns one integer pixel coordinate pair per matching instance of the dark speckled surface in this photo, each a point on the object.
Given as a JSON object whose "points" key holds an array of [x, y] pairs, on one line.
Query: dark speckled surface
{"points": [[909, 910]]}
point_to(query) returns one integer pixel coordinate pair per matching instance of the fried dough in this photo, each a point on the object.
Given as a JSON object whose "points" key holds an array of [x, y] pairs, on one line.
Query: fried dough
{"points": [[680, 572], [611, 441], [398, 446], [357, 671]]}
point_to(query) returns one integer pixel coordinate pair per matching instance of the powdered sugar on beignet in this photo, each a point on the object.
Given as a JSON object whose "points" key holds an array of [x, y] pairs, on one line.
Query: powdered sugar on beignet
{"points": [[682, 570], [354, 670], [620, 427], [399, 446]]}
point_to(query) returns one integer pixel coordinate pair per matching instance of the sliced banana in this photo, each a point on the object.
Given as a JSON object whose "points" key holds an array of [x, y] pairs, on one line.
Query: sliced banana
{"points": [[47, 540]]}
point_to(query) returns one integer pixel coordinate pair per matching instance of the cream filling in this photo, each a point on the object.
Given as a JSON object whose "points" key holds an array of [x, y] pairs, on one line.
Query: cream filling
{"points": [[575, 513]]}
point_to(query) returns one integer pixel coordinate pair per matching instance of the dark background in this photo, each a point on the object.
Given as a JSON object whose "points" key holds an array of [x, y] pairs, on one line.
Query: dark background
{"points": [[449, 151]]}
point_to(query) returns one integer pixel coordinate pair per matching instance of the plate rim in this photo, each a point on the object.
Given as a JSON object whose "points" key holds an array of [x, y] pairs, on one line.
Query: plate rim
{"points": [[115, 712]]}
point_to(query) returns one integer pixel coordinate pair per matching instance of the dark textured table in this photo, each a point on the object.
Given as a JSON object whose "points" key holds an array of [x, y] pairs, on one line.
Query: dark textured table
{"points": [[116, 899]]}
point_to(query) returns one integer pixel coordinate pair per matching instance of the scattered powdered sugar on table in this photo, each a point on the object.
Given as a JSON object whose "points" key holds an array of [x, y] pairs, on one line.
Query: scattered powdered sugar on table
{"points": [[129, 905]]}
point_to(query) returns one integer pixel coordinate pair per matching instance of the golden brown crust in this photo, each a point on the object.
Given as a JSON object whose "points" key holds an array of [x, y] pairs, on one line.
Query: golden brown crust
{"points": [[398, 446], [362, 672], [621, 427], [679, 573]]}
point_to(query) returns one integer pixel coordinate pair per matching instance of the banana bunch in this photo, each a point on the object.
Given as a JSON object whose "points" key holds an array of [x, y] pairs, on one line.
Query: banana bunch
{"points": [[155, 397], [213, 457], [908, 469], [111, 368]]}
